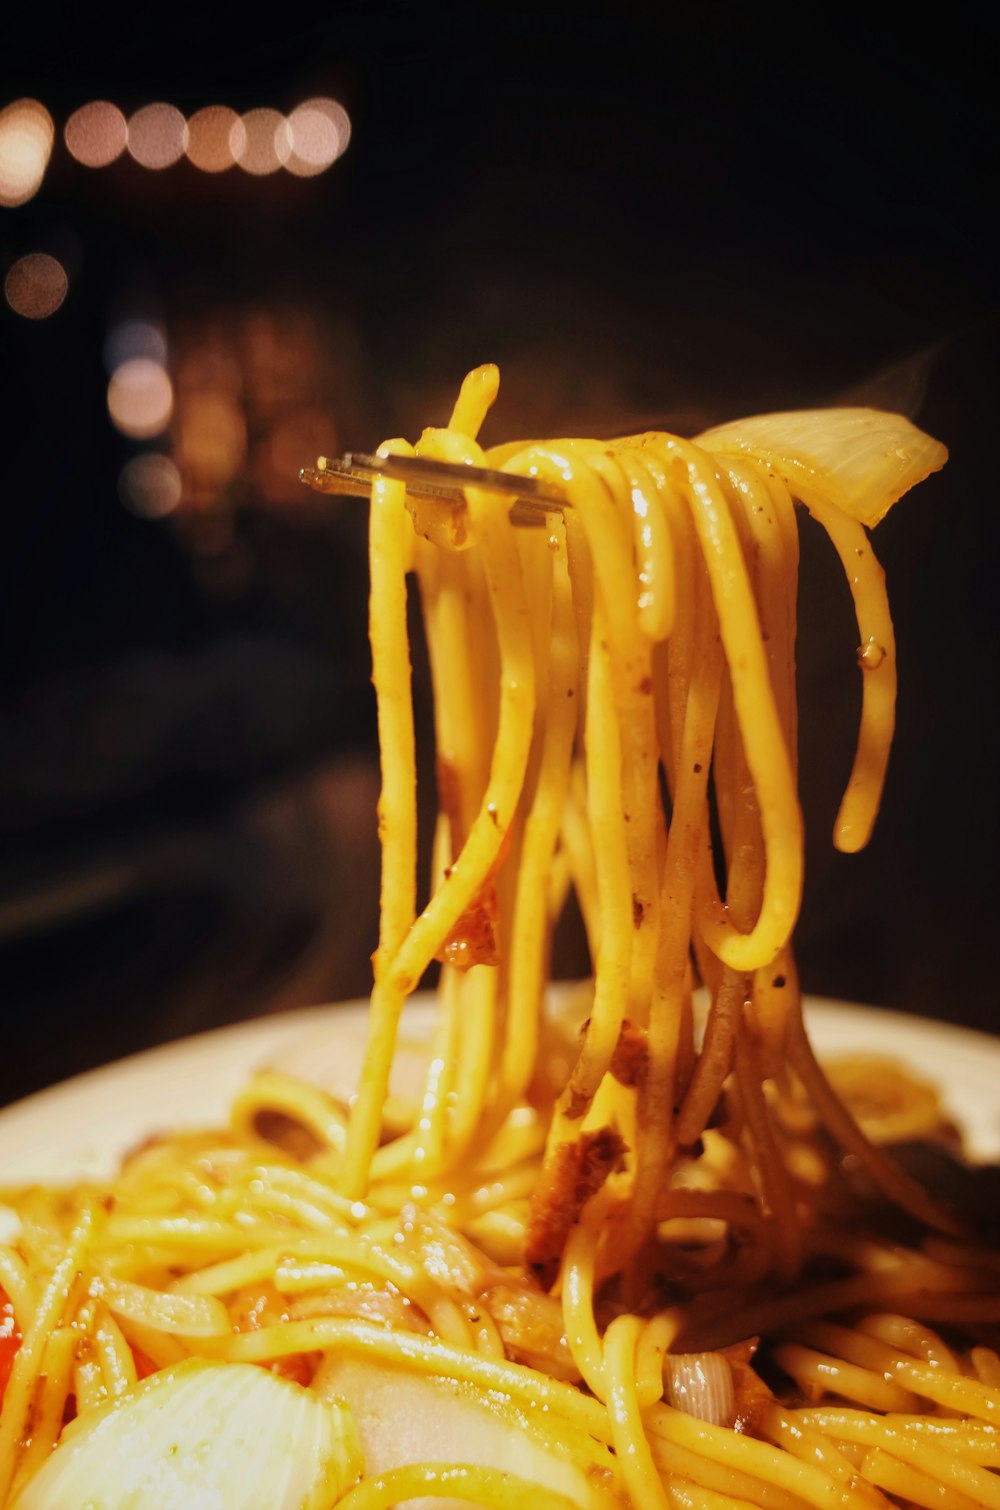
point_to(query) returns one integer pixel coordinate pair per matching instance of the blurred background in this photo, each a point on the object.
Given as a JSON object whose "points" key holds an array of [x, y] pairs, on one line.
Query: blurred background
{"points": [[233, 239]]}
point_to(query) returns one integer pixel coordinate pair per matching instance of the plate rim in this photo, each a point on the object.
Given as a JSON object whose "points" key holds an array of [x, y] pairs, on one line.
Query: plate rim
{"points": [[941, 1051]]}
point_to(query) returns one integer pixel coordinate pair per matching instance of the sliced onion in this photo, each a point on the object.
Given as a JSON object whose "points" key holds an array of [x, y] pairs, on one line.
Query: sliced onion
{"points": [[407, 1418], [219, 1436], [701, 1384], [862, 460]]}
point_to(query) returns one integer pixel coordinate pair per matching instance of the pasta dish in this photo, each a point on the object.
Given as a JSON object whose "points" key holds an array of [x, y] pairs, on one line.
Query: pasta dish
{"points": [[623, 1244]]}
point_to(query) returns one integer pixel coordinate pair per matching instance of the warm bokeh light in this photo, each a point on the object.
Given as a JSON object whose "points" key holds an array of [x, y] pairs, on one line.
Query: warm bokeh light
{"points": [[140, 398], [134, 338], [211, 441], [96, 134], [216, 138], [305, 432], [26, 137], [35, 286], [267, 142], [150, 485], [320, 130], [157, 136]]}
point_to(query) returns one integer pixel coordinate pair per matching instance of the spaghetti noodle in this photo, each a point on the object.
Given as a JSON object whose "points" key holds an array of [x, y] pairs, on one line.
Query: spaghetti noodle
{"points": [[608, 1249]]}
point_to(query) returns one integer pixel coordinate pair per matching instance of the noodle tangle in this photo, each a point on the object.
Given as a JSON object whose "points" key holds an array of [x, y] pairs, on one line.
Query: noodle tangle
{"points": [[626, 1243]]}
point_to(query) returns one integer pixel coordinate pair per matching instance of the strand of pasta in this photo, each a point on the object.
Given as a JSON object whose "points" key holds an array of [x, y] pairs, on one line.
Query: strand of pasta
{"points": [[692, 1479], [611, 648], [631, 486], [954, 1434], [766, 751], [653, 546], [655, 1341], [48, 1406], [116, 1359], [787, 1241], [759, 1459], [777, 1426], [575, 839], [387, 630], [432, 1125], [397, 814], [478, 998], [860, 1345], [877, 659], [817, 1373], [906, 1482], [673, 662], [715, 1060], [482, 845], [28, 1360], [607, 830], [476, 397], [685, 835], [942, 1462], [986, 1362], [577, 1295], [309, 1106], [628, 1434], [17, 1282], [493, 1488], [671, 1028], [908, 1335], [529, 940]]}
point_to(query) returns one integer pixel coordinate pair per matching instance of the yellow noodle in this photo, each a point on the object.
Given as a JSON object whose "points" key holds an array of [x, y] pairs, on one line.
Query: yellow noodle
{"points": [[759, 1459], [28, 1360], [819, 1373], [490, 1487], [610, 689], [911, 1485], [578, 1306], [627, 1433], [54, 1384], [786, 1431], [941, 1462], [877, 658], [952, 1434]]}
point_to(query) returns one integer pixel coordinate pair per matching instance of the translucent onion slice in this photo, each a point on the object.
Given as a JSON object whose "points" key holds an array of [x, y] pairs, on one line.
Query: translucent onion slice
{"points": [[203, 1436], [862, 460], [407, 1418], [701, 1384]]}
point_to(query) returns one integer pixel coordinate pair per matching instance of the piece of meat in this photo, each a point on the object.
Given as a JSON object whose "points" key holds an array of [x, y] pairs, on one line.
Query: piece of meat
{"points": [[576, 1171]]}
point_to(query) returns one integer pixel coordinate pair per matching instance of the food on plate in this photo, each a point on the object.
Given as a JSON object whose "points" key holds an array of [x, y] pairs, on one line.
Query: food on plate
{"points": [[627, 1243]]}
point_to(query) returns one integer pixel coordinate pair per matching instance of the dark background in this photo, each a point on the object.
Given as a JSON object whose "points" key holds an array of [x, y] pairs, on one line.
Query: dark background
{"points": [[647, 215]]}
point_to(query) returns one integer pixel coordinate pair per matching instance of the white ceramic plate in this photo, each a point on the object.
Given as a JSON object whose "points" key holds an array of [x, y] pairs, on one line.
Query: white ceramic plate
{"points": [[83, 1127]]}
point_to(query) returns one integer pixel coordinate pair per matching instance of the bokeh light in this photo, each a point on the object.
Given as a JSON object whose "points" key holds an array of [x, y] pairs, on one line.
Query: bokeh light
{"points": [[157, 136], [96, 134], [211, 441], [267, 142], [216, 138], [140, 398], [35, 286], [26, 137], [150, 485], [134, 338], [320, 130]]}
